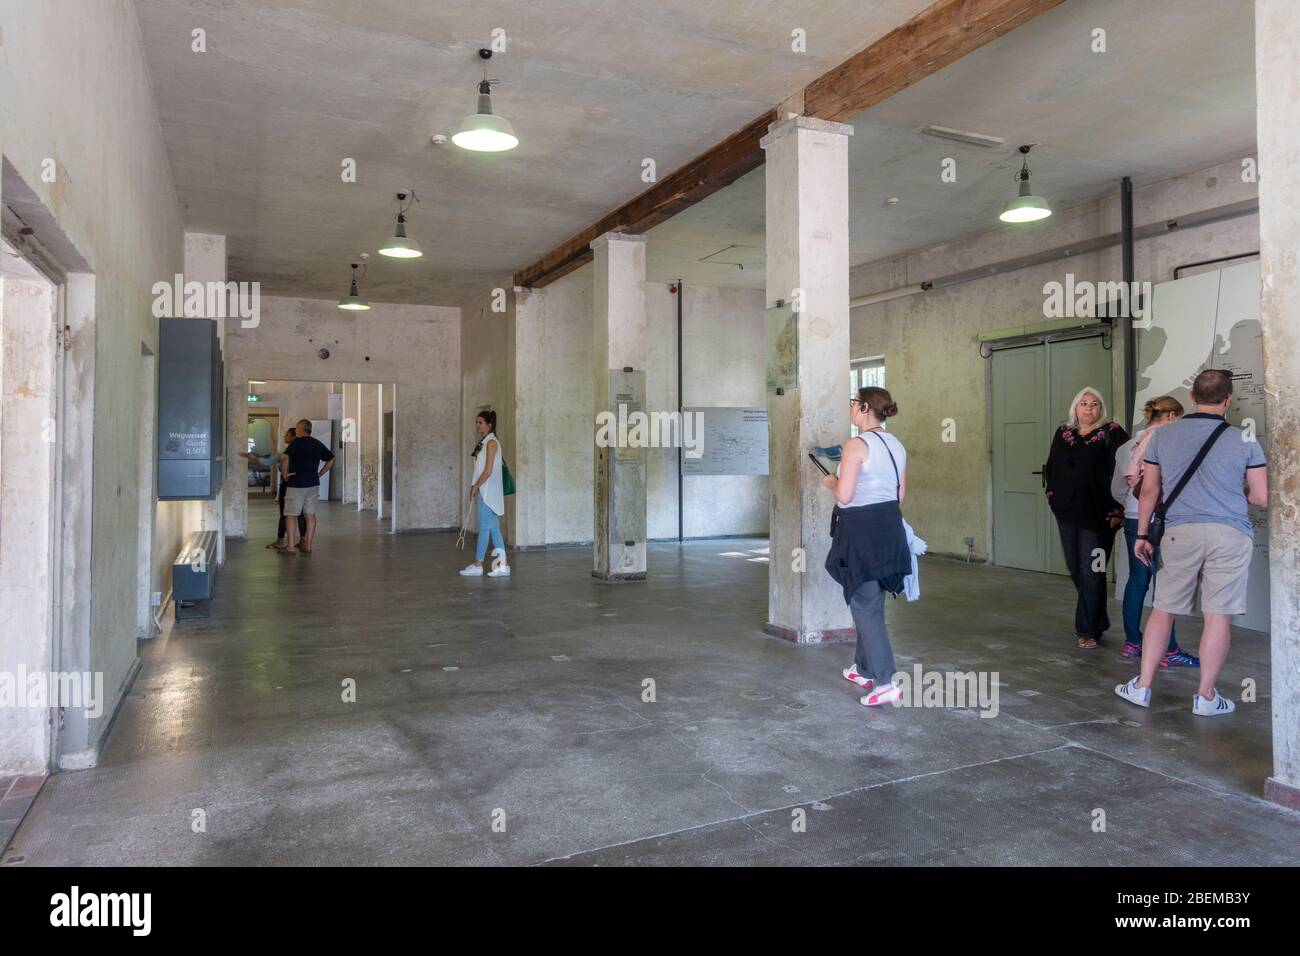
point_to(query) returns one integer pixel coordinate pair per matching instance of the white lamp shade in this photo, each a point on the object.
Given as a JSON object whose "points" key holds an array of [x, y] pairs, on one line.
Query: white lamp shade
{"points": [[400, 247], [1026, 209], [485, 133]]}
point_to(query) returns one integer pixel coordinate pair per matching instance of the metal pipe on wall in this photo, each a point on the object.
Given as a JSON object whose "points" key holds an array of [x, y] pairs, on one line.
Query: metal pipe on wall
{"points": [[1149, 231]]}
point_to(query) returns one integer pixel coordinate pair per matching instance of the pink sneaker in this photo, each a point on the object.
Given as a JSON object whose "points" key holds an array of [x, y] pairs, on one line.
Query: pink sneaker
{"points": [[851, 673]]}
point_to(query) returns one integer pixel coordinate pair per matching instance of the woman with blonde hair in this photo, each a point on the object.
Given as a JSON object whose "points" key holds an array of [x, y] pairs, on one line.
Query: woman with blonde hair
{"points": [[1124, 486], [1077, 477]]}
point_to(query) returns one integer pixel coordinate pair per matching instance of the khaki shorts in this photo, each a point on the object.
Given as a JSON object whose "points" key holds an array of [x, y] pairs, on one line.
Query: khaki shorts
{"points": [[1214, 556], [301, 501]]}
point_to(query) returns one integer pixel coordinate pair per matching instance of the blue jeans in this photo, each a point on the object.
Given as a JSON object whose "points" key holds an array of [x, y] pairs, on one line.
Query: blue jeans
{"points": [[1140, 577], [489, 525]]}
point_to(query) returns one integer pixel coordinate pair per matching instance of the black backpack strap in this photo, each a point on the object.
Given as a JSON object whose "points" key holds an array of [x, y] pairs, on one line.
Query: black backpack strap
{"points": [[1163, 509]]}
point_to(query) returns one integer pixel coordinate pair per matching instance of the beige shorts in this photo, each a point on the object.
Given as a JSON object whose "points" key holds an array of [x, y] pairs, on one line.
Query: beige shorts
{"points": [[1214, 556], [301, 501]]}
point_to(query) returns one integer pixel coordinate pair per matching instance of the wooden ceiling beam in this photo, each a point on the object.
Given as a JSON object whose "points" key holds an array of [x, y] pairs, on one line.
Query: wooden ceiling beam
{"points": [[937, 36]]}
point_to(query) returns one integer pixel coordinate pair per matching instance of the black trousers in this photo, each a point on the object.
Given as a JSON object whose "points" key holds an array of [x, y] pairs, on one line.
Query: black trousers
{"points": [[1085, 551], [302, 519]]}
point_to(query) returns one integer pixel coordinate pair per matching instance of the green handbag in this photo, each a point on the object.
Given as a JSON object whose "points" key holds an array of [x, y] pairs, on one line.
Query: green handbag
{"points": [[507, 480]]}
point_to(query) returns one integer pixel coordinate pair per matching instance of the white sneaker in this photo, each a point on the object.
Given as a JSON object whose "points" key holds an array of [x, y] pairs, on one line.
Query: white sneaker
{"points": [[1134, 694], [501, 572], [473, 571], [851, 673], [1216, 706], [882, 695]]}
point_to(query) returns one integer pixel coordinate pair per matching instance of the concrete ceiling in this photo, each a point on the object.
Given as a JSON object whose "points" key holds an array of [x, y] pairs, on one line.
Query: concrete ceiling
{"points": [[257, 127], [1174, 92]]}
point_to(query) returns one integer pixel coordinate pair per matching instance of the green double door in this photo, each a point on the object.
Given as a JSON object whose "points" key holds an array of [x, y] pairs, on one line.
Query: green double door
{"points": [[1032, 389]]}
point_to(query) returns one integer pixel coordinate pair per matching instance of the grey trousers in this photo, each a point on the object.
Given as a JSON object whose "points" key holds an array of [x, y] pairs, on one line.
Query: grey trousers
{"points": [[875, 655]]}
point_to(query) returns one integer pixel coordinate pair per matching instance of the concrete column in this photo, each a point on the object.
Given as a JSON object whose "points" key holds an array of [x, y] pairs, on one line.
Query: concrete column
{"points": [[619, 361], [807, 268], [1277, 75], [528, 464], [350, 455], [368, 406], [205, 261]]}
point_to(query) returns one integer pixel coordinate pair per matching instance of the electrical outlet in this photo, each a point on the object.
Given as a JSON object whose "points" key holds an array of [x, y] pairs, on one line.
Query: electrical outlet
{"points": [[155, 599]]}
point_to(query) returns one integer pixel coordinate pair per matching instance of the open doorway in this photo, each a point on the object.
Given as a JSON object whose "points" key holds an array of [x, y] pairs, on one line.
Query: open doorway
{"points": [[356, 422]]}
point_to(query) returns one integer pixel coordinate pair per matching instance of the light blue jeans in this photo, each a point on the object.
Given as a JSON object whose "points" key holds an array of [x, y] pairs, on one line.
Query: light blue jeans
{"points": [[489, 525]]}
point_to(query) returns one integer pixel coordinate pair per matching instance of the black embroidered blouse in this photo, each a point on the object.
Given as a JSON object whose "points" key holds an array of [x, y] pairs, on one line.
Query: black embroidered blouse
{"points": [[1078, 472]]}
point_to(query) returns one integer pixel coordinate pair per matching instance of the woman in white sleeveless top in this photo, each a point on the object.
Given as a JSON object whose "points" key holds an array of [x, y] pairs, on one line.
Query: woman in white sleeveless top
{"points": [[869, 554], [491, 502]]}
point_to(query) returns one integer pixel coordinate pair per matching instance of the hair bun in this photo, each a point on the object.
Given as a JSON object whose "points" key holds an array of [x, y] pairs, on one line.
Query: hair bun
{"points": [[890, 410]]}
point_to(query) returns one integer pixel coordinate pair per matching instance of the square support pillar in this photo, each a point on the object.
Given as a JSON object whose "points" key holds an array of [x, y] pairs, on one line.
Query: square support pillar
{"points": [[807, 178], [368, 418], [1277, 83], [351, 456], [528, 463], [618, 389]]}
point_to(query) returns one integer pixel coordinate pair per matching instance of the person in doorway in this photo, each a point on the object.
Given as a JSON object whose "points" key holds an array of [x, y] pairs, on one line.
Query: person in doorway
{"points": [[1077, 478], [301, 468], [1124, 486], [1207, 472], [269, 462], [489, 493], [869, 555]]}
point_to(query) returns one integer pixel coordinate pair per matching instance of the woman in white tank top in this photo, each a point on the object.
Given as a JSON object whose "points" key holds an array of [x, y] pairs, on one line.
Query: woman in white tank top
{"points": [[869, 554]]}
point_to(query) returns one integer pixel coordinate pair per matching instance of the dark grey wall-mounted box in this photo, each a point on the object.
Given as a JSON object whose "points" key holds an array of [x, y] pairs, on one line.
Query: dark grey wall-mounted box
{"points": [[191, 410]]}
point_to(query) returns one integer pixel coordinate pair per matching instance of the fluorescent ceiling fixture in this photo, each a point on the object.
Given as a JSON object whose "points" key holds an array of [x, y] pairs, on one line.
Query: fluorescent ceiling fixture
{"points": [[962, 136], [484, 131], [352, 302], [1026, 207], [400, 247]]}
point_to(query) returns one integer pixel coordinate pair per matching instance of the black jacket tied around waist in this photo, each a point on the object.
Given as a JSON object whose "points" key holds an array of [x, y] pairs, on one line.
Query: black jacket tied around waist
{"points": [[869, 543]]}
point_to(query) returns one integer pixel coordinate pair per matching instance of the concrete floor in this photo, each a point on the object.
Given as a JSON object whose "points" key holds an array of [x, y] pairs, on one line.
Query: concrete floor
{"points": [[521, 698]]}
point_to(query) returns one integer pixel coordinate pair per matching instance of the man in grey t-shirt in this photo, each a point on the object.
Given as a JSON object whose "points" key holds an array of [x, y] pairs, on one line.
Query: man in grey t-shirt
{"points": [[1208, 536]]}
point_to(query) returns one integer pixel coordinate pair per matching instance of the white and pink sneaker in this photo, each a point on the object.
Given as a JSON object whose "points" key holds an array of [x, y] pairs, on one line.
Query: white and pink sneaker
{"points": [[882, 695], [851, 673]]}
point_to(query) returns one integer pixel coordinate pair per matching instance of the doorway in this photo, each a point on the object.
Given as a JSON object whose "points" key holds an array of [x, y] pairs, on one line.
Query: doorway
{"points": [[1031, 391]]}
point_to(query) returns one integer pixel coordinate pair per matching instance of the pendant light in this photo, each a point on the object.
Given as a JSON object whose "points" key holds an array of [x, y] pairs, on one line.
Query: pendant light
{"points": [[484, 131], [353, 302], [400, 247], [1026, 207]]}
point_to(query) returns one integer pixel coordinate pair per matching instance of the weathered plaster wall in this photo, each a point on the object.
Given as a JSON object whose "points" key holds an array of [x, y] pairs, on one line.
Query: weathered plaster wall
{"points": [[932, 363], [27, 465], [416, 347], [78, 94]]}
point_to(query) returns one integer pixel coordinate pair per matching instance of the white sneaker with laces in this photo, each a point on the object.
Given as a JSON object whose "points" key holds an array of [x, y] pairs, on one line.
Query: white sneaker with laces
{"points": [[501, 572], [1216, 706], [851, 673], [473, 571], [1134, 694], [882, 695]]}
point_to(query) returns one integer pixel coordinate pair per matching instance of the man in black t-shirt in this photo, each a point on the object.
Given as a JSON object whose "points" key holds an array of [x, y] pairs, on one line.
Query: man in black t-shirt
{"points": [[298, 470]]}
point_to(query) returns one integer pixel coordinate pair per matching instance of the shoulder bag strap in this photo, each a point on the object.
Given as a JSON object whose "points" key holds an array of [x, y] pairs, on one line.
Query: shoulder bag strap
{"points": [[898, 481], [1163, 508]]}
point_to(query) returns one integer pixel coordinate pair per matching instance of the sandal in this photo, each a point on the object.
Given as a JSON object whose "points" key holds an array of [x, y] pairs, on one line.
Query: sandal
{"points": [[1087, 643]]}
